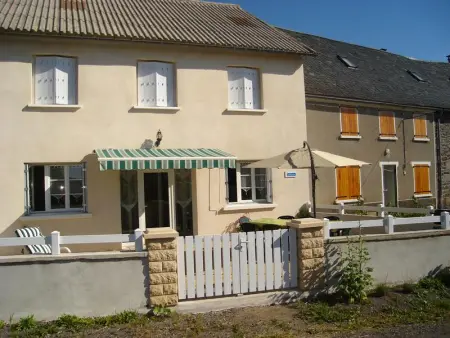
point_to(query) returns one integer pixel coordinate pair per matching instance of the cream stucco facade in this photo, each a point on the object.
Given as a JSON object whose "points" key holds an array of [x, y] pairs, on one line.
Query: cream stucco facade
{"points": [[107, 91]]}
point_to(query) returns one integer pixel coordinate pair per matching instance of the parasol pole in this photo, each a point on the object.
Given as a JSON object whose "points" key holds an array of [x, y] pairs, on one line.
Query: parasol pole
{"points": [[313, 177]]}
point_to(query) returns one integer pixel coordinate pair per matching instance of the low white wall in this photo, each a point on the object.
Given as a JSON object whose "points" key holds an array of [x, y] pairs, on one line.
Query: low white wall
{"points": [[79, 284], [403, 257]]}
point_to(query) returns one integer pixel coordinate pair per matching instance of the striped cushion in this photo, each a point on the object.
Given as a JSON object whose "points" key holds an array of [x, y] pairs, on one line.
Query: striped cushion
{"points": [[34, 232]]}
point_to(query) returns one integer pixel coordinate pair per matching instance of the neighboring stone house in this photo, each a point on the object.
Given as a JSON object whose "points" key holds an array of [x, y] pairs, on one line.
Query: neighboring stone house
{"points": [[379, 107], [89, 86]]}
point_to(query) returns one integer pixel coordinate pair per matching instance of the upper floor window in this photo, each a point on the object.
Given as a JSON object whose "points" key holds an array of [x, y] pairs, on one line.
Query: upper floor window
{"points": [[156, 84], [55, 188], [348, 183], [422, 186], [243, 88], [420, 128], [248, 184], [55, 80], [387, 125], [349, 123]]}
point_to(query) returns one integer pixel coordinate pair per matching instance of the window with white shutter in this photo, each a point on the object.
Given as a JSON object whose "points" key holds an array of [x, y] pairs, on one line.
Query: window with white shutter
{"points": [[243, 88], [156, 84], [55, 80]]}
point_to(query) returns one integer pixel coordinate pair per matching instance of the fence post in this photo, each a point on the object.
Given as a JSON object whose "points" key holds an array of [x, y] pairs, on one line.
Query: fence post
{"points": [[55, 241], [341, 209], [445, 220], [326, 228], [388, 223], [381, 213], [430, 210], [138, 240]]}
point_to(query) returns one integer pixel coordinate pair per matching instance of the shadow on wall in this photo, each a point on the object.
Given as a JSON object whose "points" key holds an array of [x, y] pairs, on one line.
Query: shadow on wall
{"points": [[146, 273], [333, 267]]}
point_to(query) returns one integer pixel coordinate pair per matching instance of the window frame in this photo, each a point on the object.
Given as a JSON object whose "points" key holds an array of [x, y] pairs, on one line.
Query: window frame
{"points": [[75, 103], [343, 136], [259, 106], [349, 200], [174, 106], [239, 200], [382, 136], [417, 137], [47, 181], [422, 163]]}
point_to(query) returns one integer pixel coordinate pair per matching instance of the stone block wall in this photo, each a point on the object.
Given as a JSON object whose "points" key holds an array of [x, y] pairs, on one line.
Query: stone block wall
{"points": [[162, 258]]}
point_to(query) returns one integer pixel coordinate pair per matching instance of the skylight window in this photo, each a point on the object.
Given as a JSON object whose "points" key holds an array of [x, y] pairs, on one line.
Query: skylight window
{"points": [[347, 62], [416, 76]]}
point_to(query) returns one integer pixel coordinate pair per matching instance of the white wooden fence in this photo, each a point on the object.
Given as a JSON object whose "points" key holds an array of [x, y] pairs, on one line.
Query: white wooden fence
{"points": [[237, 263], [389, 222], [55, 240], [380, 209]]}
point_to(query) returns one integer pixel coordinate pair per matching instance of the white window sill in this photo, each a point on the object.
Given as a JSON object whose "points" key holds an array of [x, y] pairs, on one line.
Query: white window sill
{"points": [[423, 195], [140, 109], [55, 215], [346, 201], [350, 137], [388, 138], [249, 206], [246, 111], [421, 139], [55, 107]]}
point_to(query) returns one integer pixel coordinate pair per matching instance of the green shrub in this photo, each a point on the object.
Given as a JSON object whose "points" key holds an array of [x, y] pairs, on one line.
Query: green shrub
{"points": [[2, 324], [430, 283], [356, 276], [303, 212], [408, 288], [444, 276], [380, 290], [25, 323]]}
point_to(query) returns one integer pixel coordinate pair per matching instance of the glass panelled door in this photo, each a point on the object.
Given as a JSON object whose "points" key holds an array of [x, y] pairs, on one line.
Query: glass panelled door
{"points": [[157, 200], [389, 185]]}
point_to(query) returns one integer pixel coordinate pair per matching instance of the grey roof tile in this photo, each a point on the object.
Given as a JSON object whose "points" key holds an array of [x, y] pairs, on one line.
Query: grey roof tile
{"points": [[172, 21], [381, 76]]}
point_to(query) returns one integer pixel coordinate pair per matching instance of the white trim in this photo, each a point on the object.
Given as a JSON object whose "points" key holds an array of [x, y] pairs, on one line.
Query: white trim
{"points": [[249, 206], [247, 111], [345, 201], [385, 137], [422, 163], [139, 109], [421, 139], [55, 215], [414, 127], [54, 107], [388, 138], [382, 164], [357, 123]]}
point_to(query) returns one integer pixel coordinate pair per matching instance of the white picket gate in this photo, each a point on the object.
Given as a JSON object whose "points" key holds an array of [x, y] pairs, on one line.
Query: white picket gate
{"points": [[238, 263]]}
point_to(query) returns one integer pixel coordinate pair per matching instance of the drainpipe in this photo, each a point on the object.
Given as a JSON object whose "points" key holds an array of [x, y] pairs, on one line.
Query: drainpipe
{"points": [[438, 157]]}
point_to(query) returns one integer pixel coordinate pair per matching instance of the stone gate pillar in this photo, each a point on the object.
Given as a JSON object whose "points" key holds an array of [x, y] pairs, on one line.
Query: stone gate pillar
{"points": [[162, 257], [310, 253]]}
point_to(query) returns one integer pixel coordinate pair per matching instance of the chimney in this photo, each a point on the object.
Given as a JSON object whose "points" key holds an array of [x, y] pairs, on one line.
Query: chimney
{"points": [[383, 49], [448, 58]]}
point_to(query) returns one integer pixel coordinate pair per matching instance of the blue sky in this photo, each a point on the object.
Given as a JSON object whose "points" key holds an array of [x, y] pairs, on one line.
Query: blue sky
{"points": [[414, 28]]}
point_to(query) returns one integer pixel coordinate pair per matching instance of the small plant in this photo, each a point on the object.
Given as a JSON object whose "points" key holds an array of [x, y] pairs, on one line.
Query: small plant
{"points": [[160, 311], [380, 290], [324, 313], [2, 324], [360, 203], [303, 212], [74, 323], [25, 323], [356, 276], [430, 283], [408, 288]]}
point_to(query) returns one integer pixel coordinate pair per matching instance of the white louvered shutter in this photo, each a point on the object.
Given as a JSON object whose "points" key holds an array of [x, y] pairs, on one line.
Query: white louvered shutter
{"points": [[256, 89], [146, 84], [161, 81], [65, 81], [248, 88], [170, 85], [44, 75], [236, 96]]}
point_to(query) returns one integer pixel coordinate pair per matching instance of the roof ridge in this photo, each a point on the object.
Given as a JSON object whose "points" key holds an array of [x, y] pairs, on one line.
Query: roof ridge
{"points": [[204, 1], [367, 47]]}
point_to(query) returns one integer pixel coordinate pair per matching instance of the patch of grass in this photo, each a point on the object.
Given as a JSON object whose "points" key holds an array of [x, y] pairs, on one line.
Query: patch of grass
{"points": [[280, 324], [25, 324], [407, 288], [380, 290], [73, 323], [324, 313], [237, 332]]}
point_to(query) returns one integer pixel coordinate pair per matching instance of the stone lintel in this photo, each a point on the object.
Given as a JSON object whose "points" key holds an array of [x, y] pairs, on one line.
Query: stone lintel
{"points": [[157, 233]]}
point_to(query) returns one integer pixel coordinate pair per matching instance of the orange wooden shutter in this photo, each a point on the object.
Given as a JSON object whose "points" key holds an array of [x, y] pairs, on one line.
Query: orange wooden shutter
{"points": [[342, 183], [355, 191], [420, 126], [387, 123], [422, 179], [349, 121]]}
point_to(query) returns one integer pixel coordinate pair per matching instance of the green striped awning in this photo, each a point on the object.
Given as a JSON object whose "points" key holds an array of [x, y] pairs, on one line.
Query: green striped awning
{"points": [[156, 158]]}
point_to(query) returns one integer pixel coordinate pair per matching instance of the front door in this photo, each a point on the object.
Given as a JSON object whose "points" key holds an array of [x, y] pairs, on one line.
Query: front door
{"points": [[389, 185], [156, 199]]}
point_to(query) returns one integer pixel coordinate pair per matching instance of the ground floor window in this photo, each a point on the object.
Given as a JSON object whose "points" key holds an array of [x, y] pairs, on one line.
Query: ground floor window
{"points": [[248, 184], [55, 187], [421, 179], [348, 183]]}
